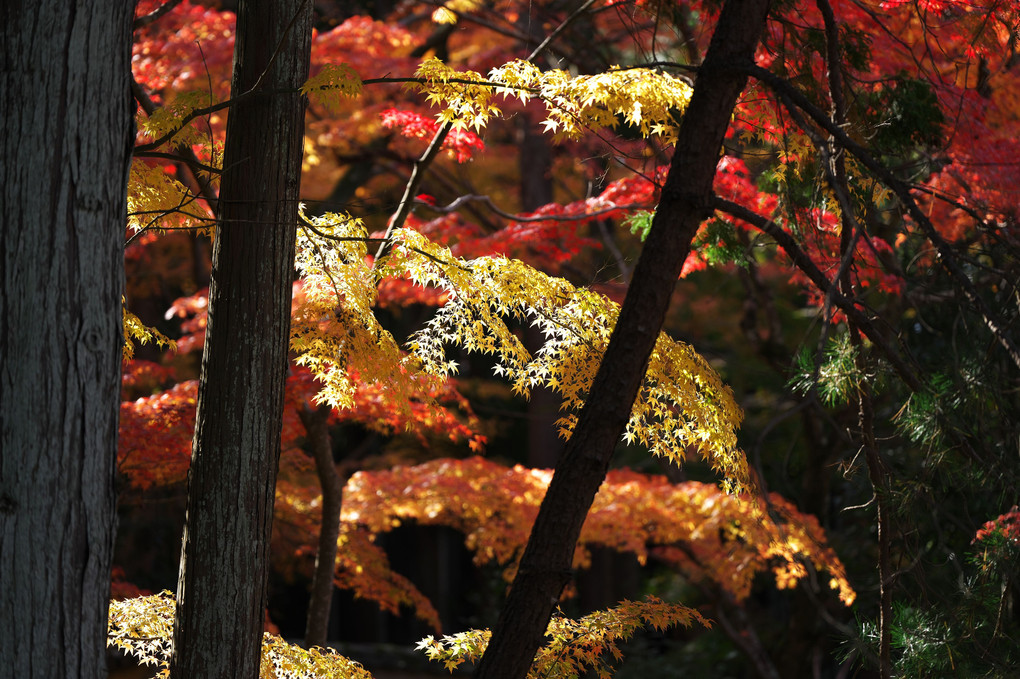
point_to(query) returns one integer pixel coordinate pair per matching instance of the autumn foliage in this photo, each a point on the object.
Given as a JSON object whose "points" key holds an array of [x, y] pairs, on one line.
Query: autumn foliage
{"points": [[399, 324]]}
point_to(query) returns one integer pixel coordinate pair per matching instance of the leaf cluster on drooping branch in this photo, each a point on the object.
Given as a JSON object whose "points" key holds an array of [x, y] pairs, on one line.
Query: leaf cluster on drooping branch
{"points": [[683, 402], [574, 647], [647, 99], [704, 533], [158, 201], [136, 331], [334, 330]]}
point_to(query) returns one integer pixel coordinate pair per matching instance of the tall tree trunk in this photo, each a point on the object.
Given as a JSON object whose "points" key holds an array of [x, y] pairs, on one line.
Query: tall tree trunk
{"points": [[65, 147], [221, 592], [686, 200]]}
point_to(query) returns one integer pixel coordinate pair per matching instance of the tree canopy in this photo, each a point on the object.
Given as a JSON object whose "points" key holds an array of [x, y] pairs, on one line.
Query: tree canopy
{"points": [[791, 235]]}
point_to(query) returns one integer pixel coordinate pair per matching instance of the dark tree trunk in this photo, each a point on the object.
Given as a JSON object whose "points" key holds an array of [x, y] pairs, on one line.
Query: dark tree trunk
{"points": [[686, 200], [544, 444], [320, 600], [65, 146], [221, 592]]}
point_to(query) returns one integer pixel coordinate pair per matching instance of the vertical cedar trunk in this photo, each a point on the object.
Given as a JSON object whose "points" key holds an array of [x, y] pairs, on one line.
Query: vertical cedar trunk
{"points": [[686, 199], [221, 591], [65, 147]]}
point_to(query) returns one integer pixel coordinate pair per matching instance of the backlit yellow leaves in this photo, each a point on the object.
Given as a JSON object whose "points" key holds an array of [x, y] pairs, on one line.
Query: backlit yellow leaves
{"points": [[333, 329], [170, 119], [158, 201], [143, 627], [136, 331], [331, 84], [649, 100], [447, 14], [465, 98], [682, 404], [574, 647], [644, 98], [281, 660]]}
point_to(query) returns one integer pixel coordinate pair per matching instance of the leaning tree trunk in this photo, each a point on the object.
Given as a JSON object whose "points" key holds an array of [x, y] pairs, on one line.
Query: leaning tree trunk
{"points": [[545, 567], [65, 146], [221, 592]]}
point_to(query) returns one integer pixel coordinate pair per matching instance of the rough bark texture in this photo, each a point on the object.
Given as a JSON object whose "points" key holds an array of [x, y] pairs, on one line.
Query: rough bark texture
{"points": [[221, 592], [65, 145], [686, 200]]}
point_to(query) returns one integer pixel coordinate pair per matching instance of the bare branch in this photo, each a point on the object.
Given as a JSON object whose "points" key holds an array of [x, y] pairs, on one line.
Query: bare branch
{"points": [[154, 15]]}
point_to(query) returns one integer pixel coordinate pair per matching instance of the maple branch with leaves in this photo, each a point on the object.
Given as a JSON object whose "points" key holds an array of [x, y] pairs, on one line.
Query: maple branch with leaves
{"points": [[795, 101]]}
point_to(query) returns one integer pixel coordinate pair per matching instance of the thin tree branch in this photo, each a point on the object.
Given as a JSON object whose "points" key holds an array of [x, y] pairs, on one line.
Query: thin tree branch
{"points": [[488, 202], [850, 231], [179, 158], [744, 636], [559, 29], [801, 260], [154, 15], [407, 200], [188, 156], [793, 100], [315, 421]]}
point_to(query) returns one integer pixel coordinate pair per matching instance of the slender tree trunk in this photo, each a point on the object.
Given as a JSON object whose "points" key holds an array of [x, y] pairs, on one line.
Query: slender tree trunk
{"points": [[221, 592], [320, 600], [65, 147], [851, 229], [544, 444], [686, 200]]}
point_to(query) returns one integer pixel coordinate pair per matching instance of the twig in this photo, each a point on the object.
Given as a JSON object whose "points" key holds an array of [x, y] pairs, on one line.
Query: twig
{"points": [[559, 29], [850, 231], [189, 157], [154, 15], [417, 174], [792, 100], [179, 158], [488, 202], [815, 275]]}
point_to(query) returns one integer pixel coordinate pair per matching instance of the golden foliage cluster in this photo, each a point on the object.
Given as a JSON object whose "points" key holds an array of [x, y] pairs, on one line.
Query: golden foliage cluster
{"points": [[170, 118], [334, 331], [649, 100], [136, 331], [332, 83], [143, 628], [158, 201], [682, 404], [574, 647]]}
